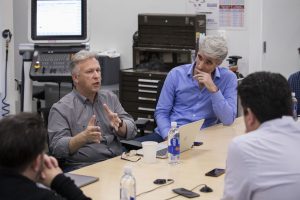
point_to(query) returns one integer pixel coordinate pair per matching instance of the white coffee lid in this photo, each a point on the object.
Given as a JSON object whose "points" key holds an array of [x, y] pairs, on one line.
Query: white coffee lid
{"points": [[173, 124]]}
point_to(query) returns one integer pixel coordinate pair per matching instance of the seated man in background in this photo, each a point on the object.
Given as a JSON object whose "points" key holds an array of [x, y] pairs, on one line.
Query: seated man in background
{"points": [[23, 162], [86, 125], [201, 90], [294, 82], [264, 163]]}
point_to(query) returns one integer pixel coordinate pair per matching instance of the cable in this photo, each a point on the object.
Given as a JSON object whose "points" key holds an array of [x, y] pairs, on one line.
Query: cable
{"points": [[4, 104], [170, 181]]}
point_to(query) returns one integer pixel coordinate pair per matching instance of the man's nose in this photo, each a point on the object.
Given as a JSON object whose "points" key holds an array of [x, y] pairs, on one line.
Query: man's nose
{"points": [[96, 74], [200, 65]]}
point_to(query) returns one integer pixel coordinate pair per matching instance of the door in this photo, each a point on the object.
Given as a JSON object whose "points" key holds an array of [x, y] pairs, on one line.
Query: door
{"points": [[281, 35]]}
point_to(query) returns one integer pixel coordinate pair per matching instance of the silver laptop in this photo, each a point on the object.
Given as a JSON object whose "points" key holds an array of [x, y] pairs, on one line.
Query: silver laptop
{"points": [[82, 180], [188, 134]]}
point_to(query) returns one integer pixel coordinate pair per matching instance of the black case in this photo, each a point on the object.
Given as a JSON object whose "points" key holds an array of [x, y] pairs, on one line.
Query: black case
{"points": [[170, 31]]}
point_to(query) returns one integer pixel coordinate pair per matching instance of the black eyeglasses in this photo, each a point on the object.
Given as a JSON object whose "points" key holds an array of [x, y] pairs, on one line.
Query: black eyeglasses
{"points": [[130, 156]]}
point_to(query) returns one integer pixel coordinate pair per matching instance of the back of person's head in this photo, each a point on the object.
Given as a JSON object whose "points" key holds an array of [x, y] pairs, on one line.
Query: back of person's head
{"points": [[267, 95], [22, 139], [215, 47], [80, 56]]}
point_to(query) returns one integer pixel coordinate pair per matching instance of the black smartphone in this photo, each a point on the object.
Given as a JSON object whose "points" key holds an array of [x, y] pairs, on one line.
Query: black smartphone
{"points": [[215, 172], [186, 193]]}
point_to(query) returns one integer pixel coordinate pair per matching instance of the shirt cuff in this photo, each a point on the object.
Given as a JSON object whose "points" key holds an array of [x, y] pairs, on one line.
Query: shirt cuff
{"points": [[217, 96]]}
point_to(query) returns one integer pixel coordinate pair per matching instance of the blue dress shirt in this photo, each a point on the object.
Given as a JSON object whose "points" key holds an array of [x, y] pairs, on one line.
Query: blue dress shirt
{"points": [[182, 100], [294, 82]]}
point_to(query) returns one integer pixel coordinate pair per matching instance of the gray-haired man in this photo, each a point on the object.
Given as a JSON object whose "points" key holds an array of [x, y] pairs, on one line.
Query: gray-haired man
{"points": [[200, 90], [85, 126]]}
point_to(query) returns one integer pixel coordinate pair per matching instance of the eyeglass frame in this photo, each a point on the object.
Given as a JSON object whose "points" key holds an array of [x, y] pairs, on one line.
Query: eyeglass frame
{"points": [[130, 154]]}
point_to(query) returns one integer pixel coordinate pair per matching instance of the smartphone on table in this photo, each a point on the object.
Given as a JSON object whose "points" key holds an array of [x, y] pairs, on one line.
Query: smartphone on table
{"points": [[215, 172]]}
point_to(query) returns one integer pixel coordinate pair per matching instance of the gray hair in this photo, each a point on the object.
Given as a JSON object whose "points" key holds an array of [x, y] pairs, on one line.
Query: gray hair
{"points": [[81, 56], [215, 47]]}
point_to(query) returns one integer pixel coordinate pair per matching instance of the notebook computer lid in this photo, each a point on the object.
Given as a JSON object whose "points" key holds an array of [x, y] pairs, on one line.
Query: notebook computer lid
{"points": [[82, 180], [188, 133]]}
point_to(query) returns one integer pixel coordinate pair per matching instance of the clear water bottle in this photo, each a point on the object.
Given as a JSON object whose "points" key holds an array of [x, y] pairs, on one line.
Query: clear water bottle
{"points": [[127, 185], [295, 105], [173, 144]]}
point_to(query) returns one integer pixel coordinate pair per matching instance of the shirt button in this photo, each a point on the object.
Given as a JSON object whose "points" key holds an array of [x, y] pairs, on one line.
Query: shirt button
{"points": [[194, 115]]}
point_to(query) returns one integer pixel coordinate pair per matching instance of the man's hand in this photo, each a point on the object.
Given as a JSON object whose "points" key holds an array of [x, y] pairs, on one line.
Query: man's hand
{"points": [[114, 119], [92, 133], [204, 79], [50, 170]]}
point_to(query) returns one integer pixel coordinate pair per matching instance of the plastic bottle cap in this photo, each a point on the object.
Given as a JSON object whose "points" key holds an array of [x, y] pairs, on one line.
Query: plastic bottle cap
{"points": [[293, 94], [173, 124], [127, 170]]}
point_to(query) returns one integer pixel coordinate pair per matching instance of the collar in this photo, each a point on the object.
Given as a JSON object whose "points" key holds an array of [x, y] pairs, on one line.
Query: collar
{"points": [[82, 98], [277, 121], [216, 75]]}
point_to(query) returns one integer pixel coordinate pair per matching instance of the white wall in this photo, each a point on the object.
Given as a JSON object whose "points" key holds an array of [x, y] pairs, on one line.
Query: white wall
{"points": [[6, 22], [114, 22]]}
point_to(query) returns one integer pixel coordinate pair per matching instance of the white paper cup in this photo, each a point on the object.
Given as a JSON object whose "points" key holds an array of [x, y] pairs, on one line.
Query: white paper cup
{"points": [[149, 151]]}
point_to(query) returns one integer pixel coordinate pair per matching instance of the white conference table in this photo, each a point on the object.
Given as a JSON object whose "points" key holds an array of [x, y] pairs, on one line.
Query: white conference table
{"points": [[189, 173]]}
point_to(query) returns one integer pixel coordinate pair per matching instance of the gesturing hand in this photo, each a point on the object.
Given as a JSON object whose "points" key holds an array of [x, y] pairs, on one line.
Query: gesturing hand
{"points": [[92, 133], [112, 117], [204, 79]]}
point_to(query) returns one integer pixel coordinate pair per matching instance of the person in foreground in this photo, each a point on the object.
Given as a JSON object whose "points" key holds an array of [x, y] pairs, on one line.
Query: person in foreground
{"points": [[200, 90], [23, 163], [265, 162], [86, 125]]}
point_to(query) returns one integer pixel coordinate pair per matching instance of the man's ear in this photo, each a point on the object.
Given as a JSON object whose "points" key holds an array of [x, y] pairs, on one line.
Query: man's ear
{"points": [[75, 78], [251, 121], [36, 163]]}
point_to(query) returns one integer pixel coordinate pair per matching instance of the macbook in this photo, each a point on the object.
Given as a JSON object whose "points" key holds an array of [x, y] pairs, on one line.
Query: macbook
{"points": [[82, 180], [188, 134]]}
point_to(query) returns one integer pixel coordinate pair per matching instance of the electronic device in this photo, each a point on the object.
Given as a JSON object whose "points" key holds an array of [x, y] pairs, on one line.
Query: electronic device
{"points": [[188, 134], [186, 193], [82, 180], [160, 181], [51, 62], [215, 172], [206, 189], [54, 21]]}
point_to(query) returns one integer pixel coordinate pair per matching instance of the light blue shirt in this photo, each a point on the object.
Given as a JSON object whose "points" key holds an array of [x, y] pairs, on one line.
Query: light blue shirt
{"points": [[264, 164], [182, 100]]}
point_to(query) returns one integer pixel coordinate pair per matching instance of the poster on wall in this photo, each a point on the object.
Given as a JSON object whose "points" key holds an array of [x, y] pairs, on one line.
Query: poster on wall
{"points": [[219, 13], [207, 7], [231, 13]]}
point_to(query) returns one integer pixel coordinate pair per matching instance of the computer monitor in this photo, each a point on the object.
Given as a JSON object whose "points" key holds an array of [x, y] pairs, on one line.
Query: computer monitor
{"points": [[58, 21]]}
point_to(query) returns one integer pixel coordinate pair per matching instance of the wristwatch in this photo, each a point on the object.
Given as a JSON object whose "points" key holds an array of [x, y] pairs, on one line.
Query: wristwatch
{"points": [[120, 124]]}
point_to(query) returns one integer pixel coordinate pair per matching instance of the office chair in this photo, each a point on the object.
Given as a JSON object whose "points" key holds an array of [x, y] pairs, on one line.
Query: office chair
{"points": [[239, 105]]}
